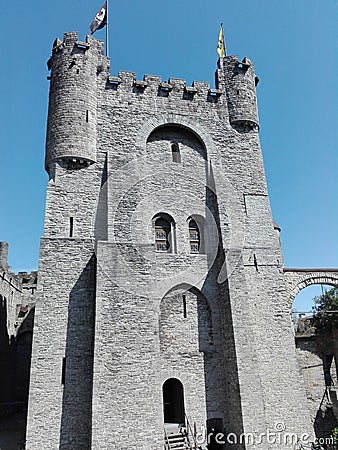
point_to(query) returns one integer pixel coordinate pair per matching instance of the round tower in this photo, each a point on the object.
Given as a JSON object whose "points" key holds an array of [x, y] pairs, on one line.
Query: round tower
{"points": [[72, 113], [240, 84]]}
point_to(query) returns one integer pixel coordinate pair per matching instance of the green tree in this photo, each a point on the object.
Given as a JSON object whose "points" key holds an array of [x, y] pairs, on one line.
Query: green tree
{"points": [[324, 320], [335, 437]]}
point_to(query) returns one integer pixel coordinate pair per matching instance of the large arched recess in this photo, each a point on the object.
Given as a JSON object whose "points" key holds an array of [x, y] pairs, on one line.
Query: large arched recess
{"points": [[178, 121], [182, 137], [185, 321], [191, 350]]}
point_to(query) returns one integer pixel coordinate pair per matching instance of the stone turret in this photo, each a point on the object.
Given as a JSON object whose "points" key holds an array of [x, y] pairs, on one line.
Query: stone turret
{"points": [[4, 256], [72, 116], [239, 81]]}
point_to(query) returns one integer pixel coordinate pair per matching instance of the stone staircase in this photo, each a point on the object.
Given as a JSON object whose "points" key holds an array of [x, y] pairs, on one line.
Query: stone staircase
{"points": [[176, 438], [178, 442]]}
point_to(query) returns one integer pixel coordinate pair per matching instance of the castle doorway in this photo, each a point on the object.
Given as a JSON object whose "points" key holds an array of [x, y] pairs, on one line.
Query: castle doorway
{"points": [[173, 401]]}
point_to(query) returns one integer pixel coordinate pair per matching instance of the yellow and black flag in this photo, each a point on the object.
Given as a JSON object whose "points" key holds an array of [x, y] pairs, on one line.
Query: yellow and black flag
{"points": [[221, 46]]}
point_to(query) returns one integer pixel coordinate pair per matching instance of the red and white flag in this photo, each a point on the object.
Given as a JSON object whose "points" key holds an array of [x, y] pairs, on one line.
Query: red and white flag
{"points": [[100, 19]]}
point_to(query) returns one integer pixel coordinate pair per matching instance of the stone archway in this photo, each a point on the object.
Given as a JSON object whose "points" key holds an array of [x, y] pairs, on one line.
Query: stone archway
{"points": [[298, 279], [314, 352]]}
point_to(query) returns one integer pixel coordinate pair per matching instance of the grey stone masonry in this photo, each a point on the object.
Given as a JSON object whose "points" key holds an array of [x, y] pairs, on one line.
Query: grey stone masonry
{"points": [[17, 293], [73, 99], [60, 400], [311, 356], [161, 295], [17, 302], [298, 279]]}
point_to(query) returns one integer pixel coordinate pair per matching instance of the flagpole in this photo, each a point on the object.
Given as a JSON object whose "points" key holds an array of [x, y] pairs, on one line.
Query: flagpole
{"points": [[107, 34]]}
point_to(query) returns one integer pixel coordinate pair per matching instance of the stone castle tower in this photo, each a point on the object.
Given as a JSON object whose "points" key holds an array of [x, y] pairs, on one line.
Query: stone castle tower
{"points": [[162, 300]]}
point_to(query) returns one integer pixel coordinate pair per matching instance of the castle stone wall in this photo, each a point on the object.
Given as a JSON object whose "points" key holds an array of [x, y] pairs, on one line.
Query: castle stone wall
{"points": [[113, 297], [62, 359]]}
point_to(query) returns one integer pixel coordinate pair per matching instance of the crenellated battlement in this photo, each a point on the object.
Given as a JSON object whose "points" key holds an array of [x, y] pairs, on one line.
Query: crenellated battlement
{"points": [[154, 85], [71, 41], [80, 80], [71, 50], [126, 79], [230, 75], [19, 281]]}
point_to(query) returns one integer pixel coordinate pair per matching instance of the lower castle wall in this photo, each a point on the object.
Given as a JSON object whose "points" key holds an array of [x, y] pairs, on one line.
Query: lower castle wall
{"points": [[142, 339], [59, 415], [16, 327], [310, 355], [281, 383], [10, 295], [311, 366]]}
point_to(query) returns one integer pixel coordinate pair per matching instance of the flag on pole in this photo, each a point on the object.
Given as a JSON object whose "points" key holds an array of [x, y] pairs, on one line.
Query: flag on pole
{"points": [[100, 19], [221, 45]]}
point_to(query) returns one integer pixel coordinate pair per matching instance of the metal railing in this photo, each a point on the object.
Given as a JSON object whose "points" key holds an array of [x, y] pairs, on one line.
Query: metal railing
{"points": [[166, 440], [190, 431]]}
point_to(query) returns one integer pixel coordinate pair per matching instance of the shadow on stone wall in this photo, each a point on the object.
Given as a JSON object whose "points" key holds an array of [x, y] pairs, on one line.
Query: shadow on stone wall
{"points": [[78, 364], [325, 422], [7, 359], [15, 361], [12, 429], [228, 383]]}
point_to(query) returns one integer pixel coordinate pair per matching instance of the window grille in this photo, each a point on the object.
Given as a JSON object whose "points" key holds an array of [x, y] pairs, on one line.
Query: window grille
{"points": [[194, 237], [162, 235]]}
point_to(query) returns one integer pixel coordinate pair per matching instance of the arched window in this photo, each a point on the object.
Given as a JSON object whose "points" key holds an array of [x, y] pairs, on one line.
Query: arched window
{"points": [[194, 237], [163, 235]]}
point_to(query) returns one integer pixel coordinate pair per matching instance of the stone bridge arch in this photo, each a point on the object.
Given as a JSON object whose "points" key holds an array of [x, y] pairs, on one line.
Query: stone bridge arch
{"points": [[298, 279]]}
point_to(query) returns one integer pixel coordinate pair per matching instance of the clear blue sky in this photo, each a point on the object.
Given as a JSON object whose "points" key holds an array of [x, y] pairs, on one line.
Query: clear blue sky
{"points": [[292, 44]]}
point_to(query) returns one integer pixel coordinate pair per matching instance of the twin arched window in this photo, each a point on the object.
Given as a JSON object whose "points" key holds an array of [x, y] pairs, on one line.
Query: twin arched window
{"points": [[165, 239]]}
